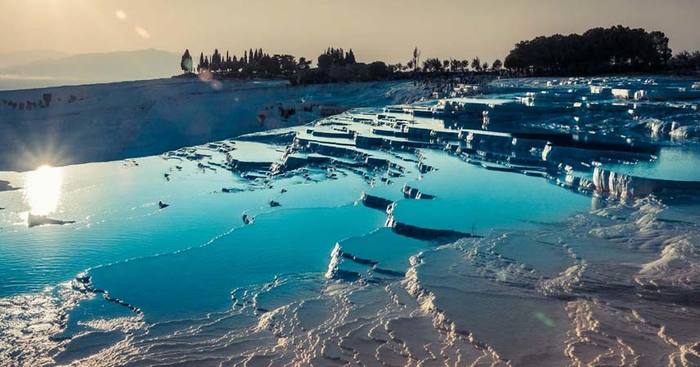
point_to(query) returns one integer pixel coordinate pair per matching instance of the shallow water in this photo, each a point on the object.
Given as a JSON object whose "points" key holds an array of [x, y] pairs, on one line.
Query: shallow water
{"points": [[115, 206], [434, 246], [471, 199], [672, 163]]}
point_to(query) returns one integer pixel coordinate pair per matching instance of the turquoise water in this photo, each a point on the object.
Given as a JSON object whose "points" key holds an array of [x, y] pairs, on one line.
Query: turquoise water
{"points": [[472, 199], [289, 241], [115, 207], [673, 163]]}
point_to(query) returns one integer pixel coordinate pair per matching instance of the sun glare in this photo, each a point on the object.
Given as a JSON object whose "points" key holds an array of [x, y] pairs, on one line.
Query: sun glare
{"points": [[42, 189]]}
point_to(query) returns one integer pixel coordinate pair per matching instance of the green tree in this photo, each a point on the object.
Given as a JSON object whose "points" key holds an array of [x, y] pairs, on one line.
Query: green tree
{"points": [[201, 66], [497, 65], [350, 57], [324, 61], [432, 65], [416, 58], [377, 70], [476, 64], [186, 62]]}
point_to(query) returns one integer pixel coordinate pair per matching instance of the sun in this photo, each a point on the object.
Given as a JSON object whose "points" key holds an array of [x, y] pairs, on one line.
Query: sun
{"points": [[42, 189]]}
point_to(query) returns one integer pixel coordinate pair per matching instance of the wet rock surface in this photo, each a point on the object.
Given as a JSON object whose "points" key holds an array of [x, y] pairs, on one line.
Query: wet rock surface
{"points": [[41, 220], [521, 227], [6, 186]]}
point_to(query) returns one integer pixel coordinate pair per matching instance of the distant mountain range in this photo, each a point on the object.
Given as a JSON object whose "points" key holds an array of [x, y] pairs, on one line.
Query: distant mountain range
{"points": [[34, 69], [18, 58]]}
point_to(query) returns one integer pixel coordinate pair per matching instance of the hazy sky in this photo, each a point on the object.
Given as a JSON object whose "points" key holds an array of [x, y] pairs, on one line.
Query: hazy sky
{"points": [[375, 29]]}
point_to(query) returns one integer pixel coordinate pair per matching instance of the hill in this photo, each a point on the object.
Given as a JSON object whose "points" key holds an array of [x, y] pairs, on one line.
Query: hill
{"points": [[90, 68], [18, 58]]}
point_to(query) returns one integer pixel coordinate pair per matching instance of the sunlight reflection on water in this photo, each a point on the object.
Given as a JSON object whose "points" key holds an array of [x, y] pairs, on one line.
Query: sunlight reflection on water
{"points": [[42, 189]]}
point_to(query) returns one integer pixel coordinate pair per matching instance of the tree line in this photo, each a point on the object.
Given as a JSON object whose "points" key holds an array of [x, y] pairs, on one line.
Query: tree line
{"points": [[333, 65], [253, 63], [617, 49]]}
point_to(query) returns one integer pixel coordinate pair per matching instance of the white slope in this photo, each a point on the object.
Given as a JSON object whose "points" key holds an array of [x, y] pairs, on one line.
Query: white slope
{"points": [[130, 119]]}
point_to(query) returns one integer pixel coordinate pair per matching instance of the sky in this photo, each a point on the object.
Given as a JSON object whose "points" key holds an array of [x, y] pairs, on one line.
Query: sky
{"points": [[375, 29]]}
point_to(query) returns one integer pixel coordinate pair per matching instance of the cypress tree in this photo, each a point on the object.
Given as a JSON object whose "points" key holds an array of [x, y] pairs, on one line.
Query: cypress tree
{"points": [[186, 62]]}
